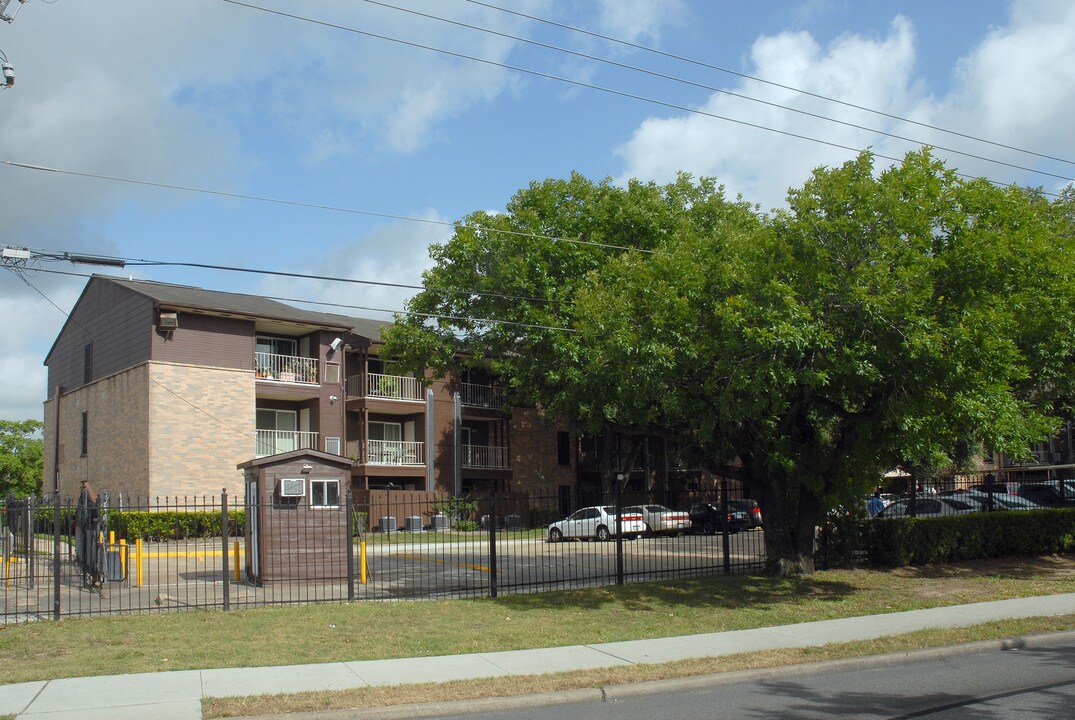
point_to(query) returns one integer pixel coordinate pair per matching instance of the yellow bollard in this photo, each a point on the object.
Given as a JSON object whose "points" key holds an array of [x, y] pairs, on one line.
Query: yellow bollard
{"points": [[236, 561], [138, 562], [362, 562], [123, 557], [8, 562], [111, 539]]}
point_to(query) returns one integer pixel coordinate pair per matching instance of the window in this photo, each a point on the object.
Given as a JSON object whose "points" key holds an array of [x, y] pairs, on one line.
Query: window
{"points": [[276, 346], [324, 493], [87, 364], [332, 373], [85, 434], [563, 448], [332, 445], [276, 431]]}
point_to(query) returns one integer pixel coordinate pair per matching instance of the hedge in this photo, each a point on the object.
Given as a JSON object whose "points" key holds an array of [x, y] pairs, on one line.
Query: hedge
{"points": [[922, 541], [171, 525]]}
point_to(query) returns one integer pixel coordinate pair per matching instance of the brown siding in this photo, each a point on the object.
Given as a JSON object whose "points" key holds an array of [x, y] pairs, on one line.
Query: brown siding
{"points": [[533, 454], [119, 324], [207, 340]]}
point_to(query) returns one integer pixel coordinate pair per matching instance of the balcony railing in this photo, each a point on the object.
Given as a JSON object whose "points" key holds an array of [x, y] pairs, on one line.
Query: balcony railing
{"points": [[273, 442], [395, 452], [390, 387], [489, 396], [285, 368], [485, 457]]}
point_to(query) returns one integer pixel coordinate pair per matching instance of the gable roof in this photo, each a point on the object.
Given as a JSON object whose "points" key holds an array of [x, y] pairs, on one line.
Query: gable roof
{"points": [[217, 302]]}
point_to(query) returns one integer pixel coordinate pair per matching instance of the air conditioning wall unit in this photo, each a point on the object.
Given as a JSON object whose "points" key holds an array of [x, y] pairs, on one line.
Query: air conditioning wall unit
{"points": [[168, 321], [293, 487]]}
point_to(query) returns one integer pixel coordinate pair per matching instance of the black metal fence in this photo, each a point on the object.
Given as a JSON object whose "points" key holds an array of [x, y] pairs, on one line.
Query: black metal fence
{"points": [[98, 556]]}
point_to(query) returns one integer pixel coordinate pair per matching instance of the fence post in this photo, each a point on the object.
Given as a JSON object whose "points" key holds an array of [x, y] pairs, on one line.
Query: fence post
{"points": [[224, 547], [492, 542], [619, 528], [724, 534], [350, 518], [56, 555]]}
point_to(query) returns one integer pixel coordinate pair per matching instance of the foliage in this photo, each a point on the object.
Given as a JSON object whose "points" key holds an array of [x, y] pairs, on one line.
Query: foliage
{"points": [[171, 525], [466, 525], [21, 458], [919, 541], [884, 317], [454, 507]]}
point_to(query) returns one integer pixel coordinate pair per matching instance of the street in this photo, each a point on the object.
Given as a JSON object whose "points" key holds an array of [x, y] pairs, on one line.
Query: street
{"points": [[1036, 682]]}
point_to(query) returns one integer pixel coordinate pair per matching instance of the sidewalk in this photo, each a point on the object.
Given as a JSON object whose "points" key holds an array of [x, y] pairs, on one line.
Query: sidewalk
{"points": [[178, 695]]}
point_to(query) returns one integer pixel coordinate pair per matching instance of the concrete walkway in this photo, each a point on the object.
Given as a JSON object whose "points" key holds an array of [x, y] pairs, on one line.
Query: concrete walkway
{"points": [[178, 695]]}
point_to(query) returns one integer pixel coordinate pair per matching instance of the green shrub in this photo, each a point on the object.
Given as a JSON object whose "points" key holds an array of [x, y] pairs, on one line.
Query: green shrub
{"points": [[173, 525], [466, 525], [921, 541]]}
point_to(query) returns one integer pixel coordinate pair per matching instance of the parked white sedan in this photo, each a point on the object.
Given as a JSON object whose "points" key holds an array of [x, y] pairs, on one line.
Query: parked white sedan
{"points": [[659, 519], [597, 522]]}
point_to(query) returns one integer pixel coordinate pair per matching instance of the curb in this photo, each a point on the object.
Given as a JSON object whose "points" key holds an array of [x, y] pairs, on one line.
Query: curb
{"points": [[614, 692]]}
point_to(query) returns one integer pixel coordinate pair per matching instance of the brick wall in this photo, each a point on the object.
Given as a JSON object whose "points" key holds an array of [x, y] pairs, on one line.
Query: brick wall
{"points": [[201, 426], [116, 460], [533, 455]]}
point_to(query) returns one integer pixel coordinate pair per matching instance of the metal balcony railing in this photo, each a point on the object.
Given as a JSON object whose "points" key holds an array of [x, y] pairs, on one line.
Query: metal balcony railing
{"points": [[489, 396], [285, 368], [485, 457], [395, 452], [274, 442], [388, 387]]}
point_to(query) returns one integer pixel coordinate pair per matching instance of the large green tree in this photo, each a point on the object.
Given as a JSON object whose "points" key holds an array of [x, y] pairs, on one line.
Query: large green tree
{"points": [[21, 458], [503, 288], [882, 317]]}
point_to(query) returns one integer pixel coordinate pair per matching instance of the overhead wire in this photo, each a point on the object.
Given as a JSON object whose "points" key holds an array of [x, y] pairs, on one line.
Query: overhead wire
{"points": [[320, 206], [712, 88], [590, 86], [754, 78]]}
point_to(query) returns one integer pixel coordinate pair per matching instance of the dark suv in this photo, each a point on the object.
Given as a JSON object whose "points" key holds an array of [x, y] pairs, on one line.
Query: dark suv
{"points": [[707, 518]]}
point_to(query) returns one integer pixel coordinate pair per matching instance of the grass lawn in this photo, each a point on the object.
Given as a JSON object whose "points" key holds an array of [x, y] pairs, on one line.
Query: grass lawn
{"points": [[374, 630]]}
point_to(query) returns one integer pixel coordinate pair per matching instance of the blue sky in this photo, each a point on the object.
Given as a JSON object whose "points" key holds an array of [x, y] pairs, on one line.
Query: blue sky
{"points": [[215, 95]]}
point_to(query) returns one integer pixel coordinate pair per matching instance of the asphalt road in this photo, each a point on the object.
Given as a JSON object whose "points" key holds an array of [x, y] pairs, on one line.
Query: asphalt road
{"points": [[1037, 681]]}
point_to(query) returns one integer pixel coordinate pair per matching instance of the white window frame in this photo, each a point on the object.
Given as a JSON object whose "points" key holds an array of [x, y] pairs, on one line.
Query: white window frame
{"points": [[323, 484], [334, 446]]}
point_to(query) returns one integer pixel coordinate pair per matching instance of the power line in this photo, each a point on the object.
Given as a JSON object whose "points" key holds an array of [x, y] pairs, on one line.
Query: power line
{"points": [[318, 206], [711, 88], [324, 303], [771, 83], [591, 86]]}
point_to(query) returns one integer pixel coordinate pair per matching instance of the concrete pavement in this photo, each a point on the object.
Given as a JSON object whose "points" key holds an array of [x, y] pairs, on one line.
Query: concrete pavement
{"points": [[178, 695]]}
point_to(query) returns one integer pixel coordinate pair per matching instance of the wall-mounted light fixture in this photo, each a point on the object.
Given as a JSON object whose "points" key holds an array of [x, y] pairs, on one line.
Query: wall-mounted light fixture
{"points": [[306, 468]]}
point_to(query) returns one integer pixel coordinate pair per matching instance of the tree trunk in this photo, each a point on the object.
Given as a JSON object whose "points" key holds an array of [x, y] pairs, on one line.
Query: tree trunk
{"points": [[790, 520]]}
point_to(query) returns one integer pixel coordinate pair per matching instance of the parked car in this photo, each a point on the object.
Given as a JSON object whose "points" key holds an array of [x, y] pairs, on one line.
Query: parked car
{"points": [[660, 519], [751, 508], [1006, 487], [934, 506], [1048, 492], [708, 519], [597, 522], [1001, 501]]}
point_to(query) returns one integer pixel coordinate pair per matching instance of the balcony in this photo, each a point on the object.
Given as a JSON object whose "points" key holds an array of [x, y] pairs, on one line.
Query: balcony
{"points": [[485, 457], [387, 387], [274, 442], [484, 396], [285, 368], [395, 452]]}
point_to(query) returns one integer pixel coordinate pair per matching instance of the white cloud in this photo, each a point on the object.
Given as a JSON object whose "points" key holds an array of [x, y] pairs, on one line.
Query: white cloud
{"points": [[1016, 87], [639, 21]]}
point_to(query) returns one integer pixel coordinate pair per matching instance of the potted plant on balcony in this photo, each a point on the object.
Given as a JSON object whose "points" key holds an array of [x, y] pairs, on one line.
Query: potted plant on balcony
{"points": [[287, 374]]}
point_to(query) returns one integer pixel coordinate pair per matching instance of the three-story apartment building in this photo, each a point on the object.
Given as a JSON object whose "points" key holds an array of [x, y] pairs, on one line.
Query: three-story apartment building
{"points": [[160, 390]]}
